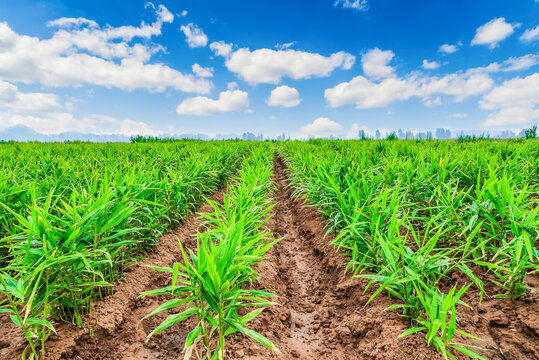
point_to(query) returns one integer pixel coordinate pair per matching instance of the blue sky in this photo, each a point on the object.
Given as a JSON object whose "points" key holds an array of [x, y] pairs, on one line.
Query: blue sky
{"points": [[314, 68]]}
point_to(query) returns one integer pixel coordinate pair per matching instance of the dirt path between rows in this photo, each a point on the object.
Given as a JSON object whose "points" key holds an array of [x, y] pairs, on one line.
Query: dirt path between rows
{"points": [[321, 313]]}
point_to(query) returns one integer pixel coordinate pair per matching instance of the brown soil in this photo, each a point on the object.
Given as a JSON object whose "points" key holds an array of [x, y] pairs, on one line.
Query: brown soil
{"points": [[509, 330], [321, 312]]}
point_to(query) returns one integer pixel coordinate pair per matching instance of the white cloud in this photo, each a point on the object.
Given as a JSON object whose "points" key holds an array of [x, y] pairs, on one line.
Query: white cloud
{"points": [[511, 116], [515, 101], [17, 101], [232, 85], [458, 85], [458, 116], [202, 71], [353, 133], [511, 64], [515, 92], [56, 123], [430, 65], [284, 96], [530, 35], [448, 49], [194, 35], [432, 101], [220, 48], [519, 63], [366, 94], [361, 5], [72, 22], [320, 127], [164, 15], [375, 63], [493, 32], [229, 100], [285, 45], [81, 53], [270, 66]]}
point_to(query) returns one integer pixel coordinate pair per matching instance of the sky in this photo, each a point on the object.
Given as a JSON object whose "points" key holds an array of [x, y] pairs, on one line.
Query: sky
{"points": [[303, 68]]}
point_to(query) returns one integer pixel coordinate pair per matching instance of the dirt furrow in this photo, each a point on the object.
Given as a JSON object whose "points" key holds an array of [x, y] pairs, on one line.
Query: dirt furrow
{"points": [[321, 312]]}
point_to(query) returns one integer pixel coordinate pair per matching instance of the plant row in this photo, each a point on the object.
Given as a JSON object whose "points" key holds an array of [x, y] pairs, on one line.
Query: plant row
{"points": [[212, 283], [409, 214]]}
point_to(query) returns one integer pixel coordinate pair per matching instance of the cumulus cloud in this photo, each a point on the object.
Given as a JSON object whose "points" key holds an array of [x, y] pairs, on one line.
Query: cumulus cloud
{"points": [[80, 52], [365, 93], [514, 92], [512, 64], [270, 66], [515, 101], [194, 35], [220, 48], [493, 32], [60, 122], [511, 116], [12, 98], [361, 5], [284, 96], [530, 35], [320, 127], [229, 100], [202, 71], [375, 63], [430, 65], [458, 85], [448, 49]]}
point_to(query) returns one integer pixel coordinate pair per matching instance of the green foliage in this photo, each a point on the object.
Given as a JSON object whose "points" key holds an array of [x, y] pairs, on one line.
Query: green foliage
{"points": [[73, 216], [531, 133], [392, 136], [409, 214], [213, 281]]}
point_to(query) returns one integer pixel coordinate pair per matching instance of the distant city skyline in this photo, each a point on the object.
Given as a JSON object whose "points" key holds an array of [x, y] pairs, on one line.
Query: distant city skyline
{"points": [[22, 134]]}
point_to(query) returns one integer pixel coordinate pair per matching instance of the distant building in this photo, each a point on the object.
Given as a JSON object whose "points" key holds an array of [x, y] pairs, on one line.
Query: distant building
{"points": [[248, 136], [442, 133]]}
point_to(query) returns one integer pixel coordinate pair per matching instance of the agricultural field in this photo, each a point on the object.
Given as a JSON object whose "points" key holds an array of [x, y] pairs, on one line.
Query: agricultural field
{"points": [[319, 249]]}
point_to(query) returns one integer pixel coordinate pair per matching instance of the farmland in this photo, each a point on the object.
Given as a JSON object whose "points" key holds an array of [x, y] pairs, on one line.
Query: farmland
{"points": [[233, 249]]}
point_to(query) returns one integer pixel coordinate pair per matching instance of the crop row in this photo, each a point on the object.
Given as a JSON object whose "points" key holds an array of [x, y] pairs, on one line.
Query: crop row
{"points": [[74, 215], [409, 214], [212, 283]]}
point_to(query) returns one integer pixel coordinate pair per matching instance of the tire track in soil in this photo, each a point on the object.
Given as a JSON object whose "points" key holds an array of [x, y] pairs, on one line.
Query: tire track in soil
{"points": [[114, 333], [321, 313]]}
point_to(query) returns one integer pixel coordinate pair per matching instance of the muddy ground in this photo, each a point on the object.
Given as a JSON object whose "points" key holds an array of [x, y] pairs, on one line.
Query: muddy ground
{"points": [[321, 312]]}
